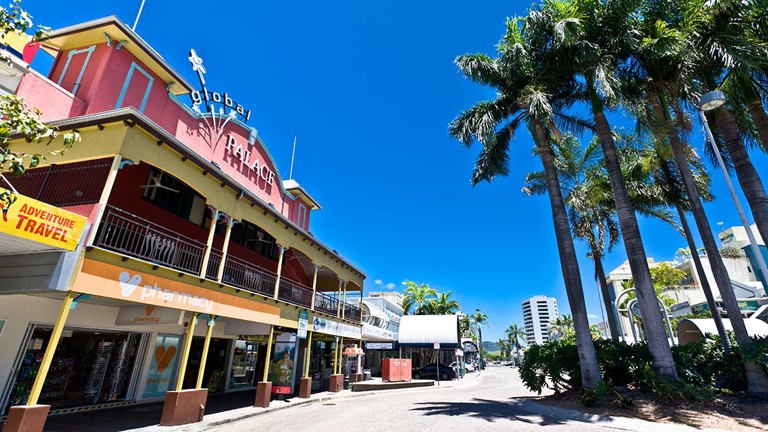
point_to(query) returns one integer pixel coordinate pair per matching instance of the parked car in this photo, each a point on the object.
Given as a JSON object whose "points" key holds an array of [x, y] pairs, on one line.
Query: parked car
{"points": [[470, 367], [430, 372]]}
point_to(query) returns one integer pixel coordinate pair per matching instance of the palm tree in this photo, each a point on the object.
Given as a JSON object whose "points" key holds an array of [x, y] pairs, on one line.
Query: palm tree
{"points": [[417, 296], [723, 34], [515, 334], [588, 39], [465, 328], [529, 91], [663, 61], [591, 209], [443, 304], [561, 328], [504, 348], [479, 319]]}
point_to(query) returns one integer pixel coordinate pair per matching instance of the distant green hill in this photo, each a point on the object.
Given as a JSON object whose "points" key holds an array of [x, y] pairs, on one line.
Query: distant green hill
{"points": [[491, 346]]}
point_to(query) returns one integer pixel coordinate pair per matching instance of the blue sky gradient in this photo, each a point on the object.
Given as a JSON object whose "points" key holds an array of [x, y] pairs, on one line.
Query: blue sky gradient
{"points": [[369, 89]]}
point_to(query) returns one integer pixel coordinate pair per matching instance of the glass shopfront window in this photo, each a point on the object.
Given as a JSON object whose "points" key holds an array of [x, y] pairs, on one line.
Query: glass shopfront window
{"points": [[88, 368], [244, 364]]}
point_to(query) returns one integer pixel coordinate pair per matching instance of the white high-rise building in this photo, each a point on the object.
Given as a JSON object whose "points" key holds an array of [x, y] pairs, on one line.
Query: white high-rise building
{"points": [[538, 313]]}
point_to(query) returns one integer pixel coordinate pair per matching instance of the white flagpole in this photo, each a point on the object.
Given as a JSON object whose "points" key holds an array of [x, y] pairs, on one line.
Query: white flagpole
{"points": [[293, 154], [138, 15]]}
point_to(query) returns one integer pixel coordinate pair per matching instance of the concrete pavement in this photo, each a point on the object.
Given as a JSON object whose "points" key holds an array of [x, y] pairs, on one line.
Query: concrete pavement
{"points": [[492, 400]]}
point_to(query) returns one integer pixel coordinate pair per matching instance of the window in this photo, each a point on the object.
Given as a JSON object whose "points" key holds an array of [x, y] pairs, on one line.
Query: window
{"points": [[254, 238], [171, 194], [302, 216]]}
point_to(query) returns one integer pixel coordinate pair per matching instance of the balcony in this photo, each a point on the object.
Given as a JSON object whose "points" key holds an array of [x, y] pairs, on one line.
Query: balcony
{"points": [[131, 235]]}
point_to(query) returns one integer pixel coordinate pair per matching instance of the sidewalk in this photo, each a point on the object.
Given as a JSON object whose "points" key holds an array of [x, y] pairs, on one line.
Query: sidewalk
{"points": [[612, 422]]}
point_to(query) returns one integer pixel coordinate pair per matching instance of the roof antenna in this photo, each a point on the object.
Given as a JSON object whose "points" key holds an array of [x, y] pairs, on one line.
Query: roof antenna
{"points": [[293, 154], [141, 8]]}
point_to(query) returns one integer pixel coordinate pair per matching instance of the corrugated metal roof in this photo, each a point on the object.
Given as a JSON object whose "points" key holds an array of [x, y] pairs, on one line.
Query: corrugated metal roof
{"points": [[425, 330]]}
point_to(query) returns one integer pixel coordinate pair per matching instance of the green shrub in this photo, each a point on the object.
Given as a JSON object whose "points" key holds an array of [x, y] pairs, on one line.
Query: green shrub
{"points": [[621, 363], [554, 365]]}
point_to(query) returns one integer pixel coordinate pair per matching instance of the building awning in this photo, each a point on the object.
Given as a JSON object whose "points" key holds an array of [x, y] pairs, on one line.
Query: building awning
{"points": [[469, 345], [425, 330], [693, 330]]}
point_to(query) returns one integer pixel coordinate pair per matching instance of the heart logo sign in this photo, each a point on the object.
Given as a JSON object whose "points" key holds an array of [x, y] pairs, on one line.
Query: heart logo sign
{"points": [[128, 283], [163, 357]]}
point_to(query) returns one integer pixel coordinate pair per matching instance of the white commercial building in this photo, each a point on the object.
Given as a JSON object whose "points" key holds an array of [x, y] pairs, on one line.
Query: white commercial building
{"points": [[538, 313]]}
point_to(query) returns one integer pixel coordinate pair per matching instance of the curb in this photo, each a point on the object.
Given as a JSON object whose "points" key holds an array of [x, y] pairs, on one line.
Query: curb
{"points": [[613, 422]]}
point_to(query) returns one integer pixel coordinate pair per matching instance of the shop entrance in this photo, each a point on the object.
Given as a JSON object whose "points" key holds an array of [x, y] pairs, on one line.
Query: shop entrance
{"points": [[244, 360], [215, 367], [89, 367]]}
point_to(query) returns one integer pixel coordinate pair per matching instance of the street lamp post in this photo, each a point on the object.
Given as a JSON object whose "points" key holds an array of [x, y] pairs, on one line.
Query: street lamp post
{"points": [[708, 102]]}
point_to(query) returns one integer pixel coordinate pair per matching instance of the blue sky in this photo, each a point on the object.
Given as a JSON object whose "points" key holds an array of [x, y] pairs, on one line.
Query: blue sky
{"points": [[369, 89]]}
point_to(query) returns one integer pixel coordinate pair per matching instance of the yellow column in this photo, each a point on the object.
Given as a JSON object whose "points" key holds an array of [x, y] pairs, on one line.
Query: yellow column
{"points": [[306, 355], [269, 352], [341, 355], [225, 250], [185, 352], [338, 300], [314, 288], [336, 356], [50, 350], [279, 269], [206, 345], [116, 162], [344, 306], [209, 243]]}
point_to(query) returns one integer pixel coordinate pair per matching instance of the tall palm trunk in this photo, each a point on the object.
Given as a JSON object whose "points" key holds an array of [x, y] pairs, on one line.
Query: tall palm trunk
{"points": [[590, 370], [704, 282], [757, 381], [610, 309], [749, 180], [760, 119], [653, 324]]}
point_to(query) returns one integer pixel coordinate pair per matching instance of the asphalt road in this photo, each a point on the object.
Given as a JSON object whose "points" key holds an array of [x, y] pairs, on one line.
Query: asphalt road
{"points": [[492, 401]]}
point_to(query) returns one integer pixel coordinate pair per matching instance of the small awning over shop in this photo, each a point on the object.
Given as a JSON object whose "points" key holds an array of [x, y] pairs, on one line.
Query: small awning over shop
{"points": [[693, 330], [469, 345], [425, 330]]}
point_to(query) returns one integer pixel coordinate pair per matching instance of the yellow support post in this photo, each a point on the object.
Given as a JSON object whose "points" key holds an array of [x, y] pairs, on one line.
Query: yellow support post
{"points": [[338, 300], [306, 355], [314, 288], [50, 350], [279, 270], [344, 306], [341, 355], [269, 352], [185, 352], [225, 250], [209, 244], [336, 356], [206, 346]]}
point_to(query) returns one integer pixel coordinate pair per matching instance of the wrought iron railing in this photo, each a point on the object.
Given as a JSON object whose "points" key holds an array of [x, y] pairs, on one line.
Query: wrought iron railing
{"points": [[132, 235], [326, 303], [294, 292]]}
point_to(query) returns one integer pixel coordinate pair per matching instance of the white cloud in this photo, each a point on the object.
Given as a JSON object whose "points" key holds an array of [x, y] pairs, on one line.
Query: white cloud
{"points": [[378, 282], [592, 316], [390, 286]]}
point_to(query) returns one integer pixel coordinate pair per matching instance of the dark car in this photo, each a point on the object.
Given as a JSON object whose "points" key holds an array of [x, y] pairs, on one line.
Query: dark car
{"points": [[430, 372]]}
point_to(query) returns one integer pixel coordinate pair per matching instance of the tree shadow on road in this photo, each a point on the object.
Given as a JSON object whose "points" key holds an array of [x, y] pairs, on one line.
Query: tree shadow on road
{"points": [[488, 410]]}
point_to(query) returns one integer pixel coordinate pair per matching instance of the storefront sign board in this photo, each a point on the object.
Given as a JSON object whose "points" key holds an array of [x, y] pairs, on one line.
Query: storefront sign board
{"points": [[336, 328], [107, 280], [147, 315], [303, 323], [379, 345], [34, 220]]}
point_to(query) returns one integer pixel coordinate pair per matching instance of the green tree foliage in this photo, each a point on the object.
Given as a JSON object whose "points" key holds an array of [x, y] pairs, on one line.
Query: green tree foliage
{"points": [[18, 120]]}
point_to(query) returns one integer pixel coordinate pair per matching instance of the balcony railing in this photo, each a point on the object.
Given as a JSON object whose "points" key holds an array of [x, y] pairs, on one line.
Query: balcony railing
{"points": [[326, 303], [132, 235], [294, 292]]}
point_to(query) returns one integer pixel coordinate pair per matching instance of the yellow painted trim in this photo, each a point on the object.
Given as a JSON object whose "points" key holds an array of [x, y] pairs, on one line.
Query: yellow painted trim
{"points": [[307, 354], [206, 346], [269, 352], [185, 353]]}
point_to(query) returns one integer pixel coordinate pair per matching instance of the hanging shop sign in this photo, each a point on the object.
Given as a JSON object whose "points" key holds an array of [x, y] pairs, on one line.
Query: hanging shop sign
{"points": [[34, 220], [336, 328], [303, 323], [107, 280], [379, 345], [148, 315]]}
